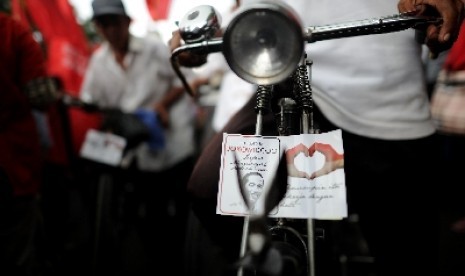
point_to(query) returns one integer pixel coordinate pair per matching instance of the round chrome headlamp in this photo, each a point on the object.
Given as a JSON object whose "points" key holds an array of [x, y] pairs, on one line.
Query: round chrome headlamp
{"points": [[264, 42]]}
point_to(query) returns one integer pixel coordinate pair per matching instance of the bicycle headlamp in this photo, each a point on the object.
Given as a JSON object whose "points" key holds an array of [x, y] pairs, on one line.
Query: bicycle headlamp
{"points": [[264, 42]]}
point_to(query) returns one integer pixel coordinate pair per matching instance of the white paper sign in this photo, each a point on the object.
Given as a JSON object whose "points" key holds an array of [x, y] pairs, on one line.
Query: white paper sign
{"points": [[321, 197], [103, 147]]}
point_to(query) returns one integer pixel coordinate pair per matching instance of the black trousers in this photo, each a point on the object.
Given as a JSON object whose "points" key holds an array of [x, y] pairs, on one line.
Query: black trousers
{"points": [[393, 187]]}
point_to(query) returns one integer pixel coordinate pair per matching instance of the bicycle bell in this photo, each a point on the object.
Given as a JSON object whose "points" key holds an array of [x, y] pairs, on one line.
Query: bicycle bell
{"points": [[264, 42], [199, 24]]}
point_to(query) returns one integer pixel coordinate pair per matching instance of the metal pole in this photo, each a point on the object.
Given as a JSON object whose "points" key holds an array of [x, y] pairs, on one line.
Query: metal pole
{"points": [[245, 229]]}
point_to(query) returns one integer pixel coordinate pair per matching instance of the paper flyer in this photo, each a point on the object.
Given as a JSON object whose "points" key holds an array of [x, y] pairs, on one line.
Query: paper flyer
{"points": [[315, 183]]}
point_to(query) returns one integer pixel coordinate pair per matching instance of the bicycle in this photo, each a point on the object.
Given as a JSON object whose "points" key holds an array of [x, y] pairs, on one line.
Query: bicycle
{"points": [[290, 63], [105, 159]]}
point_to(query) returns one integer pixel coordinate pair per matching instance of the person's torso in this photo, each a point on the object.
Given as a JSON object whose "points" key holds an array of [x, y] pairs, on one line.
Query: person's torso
{"points": [[20, 152], [146, 80], [370, 85]]}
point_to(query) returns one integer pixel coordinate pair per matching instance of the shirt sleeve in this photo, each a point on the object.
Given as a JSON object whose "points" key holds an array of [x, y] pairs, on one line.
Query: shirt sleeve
{"points": [[88, 92], [31, 58]]}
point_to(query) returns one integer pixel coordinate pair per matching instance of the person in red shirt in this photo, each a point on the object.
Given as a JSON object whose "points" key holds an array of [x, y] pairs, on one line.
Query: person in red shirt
{"points": [[22, 80]]}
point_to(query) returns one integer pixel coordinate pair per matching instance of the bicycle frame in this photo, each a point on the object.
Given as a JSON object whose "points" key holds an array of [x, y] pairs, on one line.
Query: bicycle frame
{"points": [[267, 56]]}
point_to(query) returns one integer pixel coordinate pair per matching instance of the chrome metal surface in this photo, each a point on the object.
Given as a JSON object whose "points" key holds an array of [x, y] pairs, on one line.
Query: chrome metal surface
{"points": [[199, 24], [264, 42]]}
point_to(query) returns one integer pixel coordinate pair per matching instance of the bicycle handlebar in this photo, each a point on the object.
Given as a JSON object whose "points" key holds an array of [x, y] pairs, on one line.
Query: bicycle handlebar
{"points": [[71, 101], [387, 24], [236, 36]]}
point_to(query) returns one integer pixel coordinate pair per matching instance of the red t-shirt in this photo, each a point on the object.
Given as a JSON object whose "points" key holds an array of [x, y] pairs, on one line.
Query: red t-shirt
{"points": [[21, 60], [455, 60]]}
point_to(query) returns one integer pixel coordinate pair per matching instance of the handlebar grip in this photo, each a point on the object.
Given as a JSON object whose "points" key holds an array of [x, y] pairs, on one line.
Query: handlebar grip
{"points": [[71, 101]]}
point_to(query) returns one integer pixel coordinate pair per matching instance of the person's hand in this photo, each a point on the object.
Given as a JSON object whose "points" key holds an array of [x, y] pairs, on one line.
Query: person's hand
{"points": [[290, 156], [197, 83], [175, 40], [438, 37], [163, 115], [186, 59], [333, 160]]}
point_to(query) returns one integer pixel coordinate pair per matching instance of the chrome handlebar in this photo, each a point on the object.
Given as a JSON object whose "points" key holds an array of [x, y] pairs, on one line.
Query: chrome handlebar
{"points": [[264, 42]]}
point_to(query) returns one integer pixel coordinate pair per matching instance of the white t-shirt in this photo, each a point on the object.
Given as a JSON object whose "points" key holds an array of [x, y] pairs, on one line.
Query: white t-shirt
{"points": [[370, 85], [234, 92], [148, 77]]}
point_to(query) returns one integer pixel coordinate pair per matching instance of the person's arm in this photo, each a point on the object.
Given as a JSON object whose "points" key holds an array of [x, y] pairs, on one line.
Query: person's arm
{"points": [[162, 107], [438, 37], [91, 87], [32, 74], [186, 59], [172, 96]]}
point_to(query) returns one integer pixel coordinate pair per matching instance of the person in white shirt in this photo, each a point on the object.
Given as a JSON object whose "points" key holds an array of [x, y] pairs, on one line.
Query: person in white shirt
{"points": [[373, 89], [234, 92], [134, 75]]}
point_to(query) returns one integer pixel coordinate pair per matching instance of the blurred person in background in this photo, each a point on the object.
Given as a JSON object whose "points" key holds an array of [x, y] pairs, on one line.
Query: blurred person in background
{"points": [[25, 92], [451, 79], [134, 75], [234, 92]]}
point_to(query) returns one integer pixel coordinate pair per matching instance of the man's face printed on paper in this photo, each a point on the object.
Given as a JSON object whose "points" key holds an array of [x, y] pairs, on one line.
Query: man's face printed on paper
{"points": [[254, 186]]}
